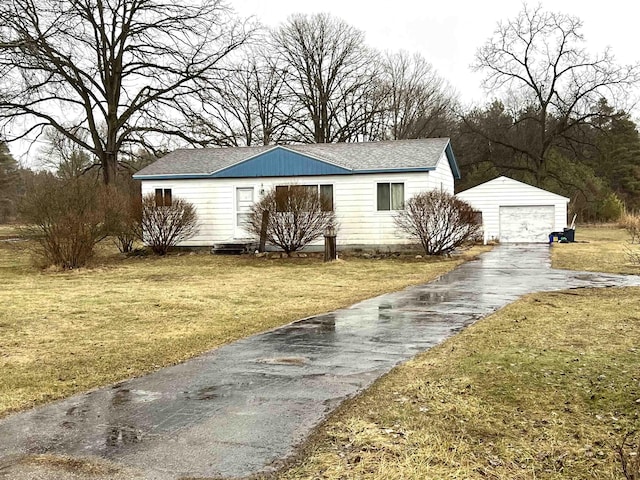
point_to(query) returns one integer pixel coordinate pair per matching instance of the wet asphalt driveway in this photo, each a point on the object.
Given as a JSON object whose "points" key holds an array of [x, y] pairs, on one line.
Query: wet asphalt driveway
{"points": [[243, 407]]}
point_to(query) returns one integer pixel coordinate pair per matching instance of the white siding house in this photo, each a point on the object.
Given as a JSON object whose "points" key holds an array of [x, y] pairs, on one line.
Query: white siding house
{"points": [[514, 212], [223, 183]]}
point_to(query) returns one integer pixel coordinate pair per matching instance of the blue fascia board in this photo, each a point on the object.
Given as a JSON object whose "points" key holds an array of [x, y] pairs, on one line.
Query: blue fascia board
{"points": [[452, 161]]}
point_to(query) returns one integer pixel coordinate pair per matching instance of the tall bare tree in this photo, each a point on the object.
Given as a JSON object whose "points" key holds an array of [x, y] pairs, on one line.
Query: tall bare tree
{"points": [[122, 71], [419, 103], [330, 72], [251, 105], [536, 63]]}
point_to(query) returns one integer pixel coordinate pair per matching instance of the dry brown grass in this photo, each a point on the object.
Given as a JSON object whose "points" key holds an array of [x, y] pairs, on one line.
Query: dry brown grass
{"points": [[66, 332], [598, 249], [8, 231], [546, 388], [46, 466]]}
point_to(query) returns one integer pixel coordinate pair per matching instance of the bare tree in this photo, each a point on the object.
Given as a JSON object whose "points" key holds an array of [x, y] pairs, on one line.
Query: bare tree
{"points": [[330, 72], [538, 64], [438, 220], [250, 106], [296, 216], [65, 156], [120, 70], [419, 103]]}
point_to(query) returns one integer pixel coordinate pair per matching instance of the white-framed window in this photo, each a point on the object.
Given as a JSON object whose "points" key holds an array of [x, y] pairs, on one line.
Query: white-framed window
{"points": [[390, 196]]}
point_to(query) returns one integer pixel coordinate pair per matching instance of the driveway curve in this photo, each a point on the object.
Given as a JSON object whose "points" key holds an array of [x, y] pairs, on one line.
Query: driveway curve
{"points": [[244, 407]]}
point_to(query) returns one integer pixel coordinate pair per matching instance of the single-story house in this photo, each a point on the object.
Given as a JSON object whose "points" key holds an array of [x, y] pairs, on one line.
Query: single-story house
{"points": [[366, 182], [515, 212]]}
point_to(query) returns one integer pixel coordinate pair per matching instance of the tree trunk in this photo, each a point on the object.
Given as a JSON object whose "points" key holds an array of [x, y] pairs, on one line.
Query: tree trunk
{"points": [[109, 163]]}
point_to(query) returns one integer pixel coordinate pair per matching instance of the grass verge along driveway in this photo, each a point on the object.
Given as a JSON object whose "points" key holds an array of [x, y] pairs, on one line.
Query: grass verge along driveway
{"points": [[547, 387], [66, 332]]}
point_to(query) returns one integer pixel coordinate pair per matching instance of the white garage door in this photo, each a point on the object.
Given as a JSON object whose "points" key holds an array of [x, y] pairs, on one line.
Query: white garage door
{"points": [[526, 224]]}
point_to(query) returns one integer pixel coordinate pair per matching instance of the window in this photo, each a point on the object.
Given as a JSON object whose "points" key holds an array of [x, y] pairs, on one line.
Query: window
{"points": [[163, 197], [390, 196], [282, 191], [325, 193], [326, 198]]}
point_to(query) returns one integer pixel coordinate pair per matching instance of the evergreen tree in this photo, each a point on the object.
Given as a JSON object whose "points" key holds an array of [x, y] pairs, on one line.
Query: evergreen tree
{"points": [[9, 184], [617, 155]]}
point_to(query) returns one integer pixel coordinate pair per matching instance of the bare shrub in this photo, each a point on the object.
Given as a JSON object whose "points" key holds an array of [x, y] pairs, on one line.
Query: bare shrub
{"points": [[632, 254], [296, 216], [164, 226], [65, 218], [631, 223], [123, 211], [438, 220]]}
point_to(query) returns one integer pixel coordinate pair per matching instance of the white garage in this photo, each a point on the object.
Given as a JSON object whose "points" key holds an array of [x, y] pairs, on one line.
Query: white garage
{"points": [[515, 212]]}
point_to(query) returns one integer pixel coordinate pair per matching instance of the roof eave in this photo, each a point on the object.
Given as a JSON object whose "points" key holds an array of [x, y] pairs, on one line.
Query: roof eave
{"points": [[211, 176], [453, 164]]}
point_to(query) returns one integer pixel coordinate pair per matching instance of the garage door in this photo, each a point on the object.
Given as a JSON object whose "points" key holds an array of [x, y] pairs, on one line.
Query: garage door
{"points": [[526, 224]]}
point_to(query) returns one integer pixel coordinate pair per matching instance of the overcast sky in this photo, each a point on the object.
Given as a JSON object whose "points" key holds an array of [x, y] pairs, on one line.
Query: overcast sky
{"points": [[448, 33]]}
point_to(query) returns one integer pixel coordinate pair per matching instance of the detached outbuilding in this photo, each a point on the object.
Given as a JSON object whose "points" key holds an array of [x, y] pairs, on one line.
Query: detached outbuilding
{"points": [[515, 212]]}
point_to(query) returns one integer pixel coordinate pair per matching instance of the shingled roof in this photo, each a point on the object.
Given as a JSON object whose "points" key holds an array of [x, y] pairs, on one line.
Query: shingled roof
{"points": [[420, 154]]}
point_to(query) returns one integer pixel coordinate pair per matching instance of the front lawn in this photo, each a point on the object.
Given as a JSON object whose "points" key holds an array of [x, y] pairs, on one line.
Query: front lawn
{"points": [[546, 388], [598, 249], [66, 332]]}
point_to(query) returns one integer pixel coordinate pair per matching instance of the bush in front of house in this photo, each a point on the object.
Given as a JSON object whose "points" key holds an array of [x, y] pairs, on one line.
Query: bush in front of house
{"points": [[293, 216], [440, 221], [123, 209], [65, 218], [164, 226]]}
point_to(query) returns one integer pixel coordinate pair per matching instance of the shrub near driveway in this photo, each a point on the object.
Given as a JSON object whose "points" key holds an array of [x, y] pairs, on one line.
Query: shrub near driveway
{"points": [[546, 388], [62, 333]]}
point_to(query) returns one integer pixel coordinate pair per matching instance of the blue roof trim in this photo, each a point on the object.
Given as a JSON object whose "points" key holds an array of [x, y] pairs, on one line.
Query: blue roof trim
{"points": [[452, 161], [280, 162], [397, 170], [348, 172]]}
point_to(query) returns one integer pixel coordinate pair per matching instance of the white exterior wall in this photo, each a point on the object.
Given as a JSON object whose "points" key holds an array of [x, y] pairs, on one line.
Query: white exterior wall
{"points": [[354, 198], [442, 176], [490, 196]]}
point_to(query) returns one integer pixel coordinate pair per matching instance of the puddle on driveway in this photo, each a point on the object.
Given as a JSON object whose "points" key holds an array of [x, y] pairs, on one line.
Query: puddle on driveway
{"points": [[234, 411]]}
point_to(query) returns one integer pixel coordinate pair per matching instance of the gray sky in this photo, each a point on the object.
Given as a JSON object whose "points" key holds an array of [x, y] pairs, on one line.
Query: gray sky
{"points": [[447, 34]]}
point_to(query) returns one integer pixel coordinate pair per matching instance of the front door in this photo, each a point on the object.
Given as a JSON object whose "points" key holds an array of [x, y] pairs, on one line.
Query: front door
{"points": [[244, 202]]}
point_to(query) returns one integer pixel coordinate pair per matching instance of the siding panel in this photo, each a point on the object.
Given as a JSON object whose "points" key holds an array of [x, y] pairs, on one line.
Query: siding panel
{"points": [[354, 199]]}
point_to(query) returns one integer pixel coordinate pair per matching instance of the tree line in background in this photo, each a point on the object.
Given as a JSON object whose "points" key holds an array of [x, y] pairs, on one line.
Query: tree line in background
{"points": [[112, 85]]}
